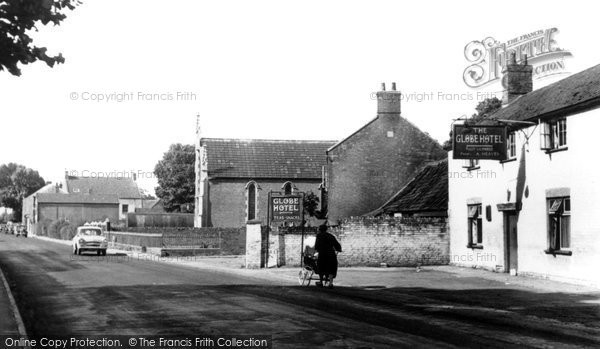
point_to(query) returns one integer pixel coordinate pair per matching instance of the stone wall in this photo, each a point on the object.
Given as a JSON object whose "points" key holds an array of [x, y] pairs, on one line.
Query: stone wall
{"points": [[398, 242], [369, 241]]}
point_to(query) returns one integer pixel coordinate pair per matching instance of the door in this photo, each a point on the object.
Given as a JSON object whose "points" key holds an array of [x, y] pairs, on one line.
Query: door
{"points": [[510, 246]]}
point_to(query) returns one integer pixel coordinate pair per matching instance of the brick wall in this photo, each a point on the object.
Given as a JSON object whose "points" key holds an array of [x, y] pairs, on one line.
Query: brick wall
{"points": [[368, 241], [365, 170], [227, 199]]}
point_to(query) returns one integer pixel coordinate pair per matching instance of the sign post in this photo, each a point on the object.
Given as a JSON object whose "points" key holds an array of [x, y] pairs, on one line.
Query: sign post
{"points": [[287, 208], [482, 142]]}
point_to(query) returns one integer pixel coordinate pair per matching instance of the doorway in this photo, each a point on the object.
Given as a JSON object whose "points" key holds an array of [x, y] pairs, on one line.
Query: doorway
{"points": [[511, 262]]}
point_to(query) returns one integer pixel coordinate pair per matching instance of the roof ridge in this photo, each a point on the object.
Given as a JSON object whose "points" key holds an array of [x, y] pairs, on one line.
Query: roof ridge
{"points": [[268, 140], [526, 108]]}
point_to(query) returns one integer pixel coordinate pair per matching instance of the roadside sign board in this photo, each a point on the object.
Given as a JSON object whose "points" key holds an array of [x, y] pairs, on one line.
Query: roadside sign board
{"points": [[479, 142], [288, 208]]}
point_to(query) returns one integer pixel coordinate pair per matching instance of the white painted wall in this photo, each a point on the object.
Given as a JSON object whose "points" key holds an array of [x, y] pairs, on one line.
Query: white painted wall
{"points": [[576, 168]]}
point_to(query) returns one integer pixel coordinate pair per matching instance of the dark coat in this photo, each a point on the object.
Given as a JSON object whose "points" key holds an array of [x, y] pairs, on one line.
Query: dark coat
{"points": [[326, 244]]}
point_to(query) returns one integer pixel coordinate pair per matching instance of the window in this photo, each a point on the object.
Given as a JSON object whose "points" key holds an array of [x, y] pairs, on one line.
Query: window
{"points": [[559, 223], [475, 225], [251, 201], [553, 134], [288, 188], [124, 208], [471, 164], [511, 146]]}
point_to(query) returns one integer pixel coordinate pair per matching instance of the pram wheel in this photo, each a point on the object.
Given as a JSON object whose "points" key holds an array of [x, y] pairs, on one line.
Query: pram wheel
{"points": [[304, 276]]}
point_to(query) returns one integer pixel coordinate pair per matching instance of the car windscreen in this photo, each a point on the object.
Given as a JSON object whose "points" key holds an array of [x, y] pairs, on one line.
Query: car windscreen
{"points": [[91, 232]]}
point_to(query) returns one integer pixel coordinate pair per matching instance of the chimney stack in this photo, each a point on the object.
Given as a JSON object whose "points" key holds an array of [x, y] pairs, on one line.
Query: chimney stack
{"points": [[388, 102], [518, 79]]}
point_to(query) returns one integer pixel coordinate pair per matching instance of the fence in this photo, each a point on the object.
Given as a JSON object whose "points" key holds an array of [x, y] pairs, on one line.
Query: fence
{"points": [[222, 241], [160, 220], [166, 240]]}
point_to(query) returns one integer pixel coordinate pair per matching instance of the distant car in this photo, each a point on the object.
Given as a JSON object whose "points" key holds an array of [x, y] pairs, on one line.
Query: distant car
{"points": [[89, 238], [20, 230]]}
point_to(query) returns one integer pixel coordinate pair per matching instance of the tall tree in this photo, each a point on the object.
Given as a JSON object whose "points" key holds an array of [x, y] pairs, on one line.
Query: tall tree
{"points": [[17, 182], [483, 109], [17, 19], [176, 177]]}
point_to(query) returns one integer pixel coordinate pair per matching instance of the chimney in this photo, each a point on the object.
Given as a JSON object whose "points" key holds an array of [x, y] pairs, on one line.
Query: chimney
{"points": [[388, 102], [517, 79]]}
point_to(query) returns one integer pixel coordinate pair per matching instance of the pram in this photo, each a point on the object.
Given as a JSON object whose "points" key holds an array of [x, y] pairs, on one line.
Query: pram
{"points": [[309, 270]]}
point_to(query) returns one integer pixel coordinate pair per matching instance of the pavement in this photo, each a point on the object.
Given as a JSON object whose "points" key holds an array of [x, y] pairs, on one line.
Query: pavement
{"points": [[441, 306], [10, 318]]}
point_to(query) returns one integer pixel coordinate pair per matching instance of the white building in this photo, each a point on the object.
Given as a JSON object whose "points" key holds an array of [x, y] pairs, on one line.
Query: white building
{"points": [[536, 213]]}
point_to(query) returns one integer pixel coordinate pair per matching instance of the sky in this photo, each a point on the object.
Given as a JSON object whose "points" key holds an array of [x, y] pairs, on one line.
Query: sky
{"points": [[138, 72]]}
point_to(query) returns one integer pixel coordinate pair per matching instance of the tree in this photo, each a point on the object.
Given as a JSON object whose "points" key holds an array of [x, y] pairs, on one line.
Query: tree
{"points": [[176, 177], [16, 183], [311, 202], [17, 18], [146, 195], [484, 109]]}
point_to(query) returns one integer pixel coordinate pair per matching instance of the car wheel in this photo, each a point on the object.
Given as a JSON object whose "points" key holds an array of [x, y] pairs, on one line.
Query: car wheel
{"points": [[104, 252]]}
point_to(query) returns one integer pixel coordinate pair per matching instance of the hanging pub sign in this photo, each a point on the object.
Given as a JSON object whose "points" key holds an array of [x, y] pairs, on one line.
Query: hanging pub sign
{"points": [[479, 142], [288, 208]]}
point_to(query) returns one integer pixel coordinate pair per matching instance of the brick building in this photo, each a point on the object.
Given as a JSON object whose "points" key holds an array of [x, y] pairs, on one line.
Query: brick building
{"points": [[234, 176], [369, 166], [535, 211]]}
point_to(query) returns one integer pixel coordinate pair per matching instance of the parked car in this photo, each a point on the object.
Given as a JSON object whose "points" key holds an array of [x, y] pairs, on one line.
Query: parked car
{"points": [[21, 230], [90, 238]]}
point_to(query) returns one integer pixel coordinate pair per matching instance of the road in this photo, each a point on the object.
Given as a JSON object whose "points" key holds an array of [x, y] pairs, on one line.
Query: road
{"points": [[115, 295]]}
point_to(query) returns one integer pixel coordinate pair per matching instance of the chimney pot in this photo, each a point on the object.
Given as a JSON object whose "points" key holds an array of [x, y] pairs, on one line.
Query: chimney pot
{"points": [[383, 86], [388, 102], [517, 80]]}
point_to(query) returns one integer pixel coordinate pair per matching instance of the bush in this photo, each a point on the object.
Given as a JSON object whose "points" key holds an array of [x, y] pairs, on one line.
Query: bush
{"points": [[68, 231], [61, 229], [42, 227]]}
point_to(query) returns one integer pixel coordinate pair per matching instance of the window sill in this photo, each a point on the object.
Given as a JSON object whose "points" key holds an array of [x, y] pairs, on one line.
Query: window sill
{"points": [[472, 168], [508, 160], [558, 252], [473, 246], [550, 151]]}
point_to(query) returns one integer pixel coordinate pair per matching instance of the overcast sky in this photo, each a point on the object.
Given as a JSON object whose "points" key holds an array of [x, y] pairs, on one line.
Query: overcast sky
{"points": [[252, 69]]}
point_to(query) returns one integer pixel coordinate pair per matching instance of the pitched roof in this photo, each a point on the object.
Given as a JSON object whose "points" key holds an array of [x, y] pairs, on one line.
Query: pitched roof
{"points": [[77, 198], [352, 134], [124, 188], [259, 158], [426, 192], [576, 92]]}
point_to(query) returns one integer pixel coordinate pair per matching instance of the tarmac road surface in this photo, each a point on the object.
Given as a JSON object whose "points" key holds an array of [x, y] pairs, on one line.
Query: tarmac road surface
{"points": [[116, 295]]}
